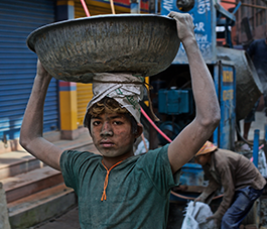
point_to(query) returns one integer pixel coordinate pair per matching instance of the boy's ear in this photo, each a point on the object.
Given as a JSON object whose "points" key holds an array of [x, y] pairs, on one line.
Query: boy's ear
{"points": [[139, 130]]}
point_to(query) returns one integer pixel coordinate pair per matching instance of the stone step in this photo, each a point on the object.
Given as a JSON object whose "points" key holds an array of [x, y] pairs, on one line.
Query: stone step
{"points": [[22, 174], [20, 161], [17, 162], [31, 182], [69, 220], [41, 206], [83, 143], [32, 189]]}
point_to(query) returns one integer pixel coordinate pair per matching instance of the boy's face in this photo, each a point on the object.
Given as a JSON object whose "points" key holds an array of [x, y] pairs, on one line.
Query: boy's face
{"points": [[202, 159], [112, 134]]}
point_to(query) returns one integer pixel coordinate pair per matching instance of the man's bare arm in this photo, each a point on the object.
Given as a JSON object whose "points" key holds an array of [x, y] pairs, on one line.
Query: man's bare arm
{"points": [[191, 139], [31, 134]]}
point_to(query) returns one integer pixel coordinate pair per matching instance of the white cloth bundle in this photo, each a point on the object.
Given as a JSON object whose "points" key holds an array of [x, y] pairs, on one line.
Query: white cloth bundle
{"points": [[125, 88], [195, 217]]}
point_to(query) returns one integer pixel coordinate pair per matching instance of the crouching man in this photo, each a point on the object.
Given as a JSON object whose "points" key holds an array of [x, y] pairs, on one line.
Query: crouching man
{"points": [[117, 189], [241, 180]]}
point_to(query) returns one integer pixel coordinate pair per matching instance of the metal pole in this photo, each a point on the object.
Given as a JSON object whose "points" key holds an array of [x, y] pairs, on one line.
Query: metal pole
{"points": [[265, 140], [135, 6], [256, 147], [156, 6], [112, 7]]}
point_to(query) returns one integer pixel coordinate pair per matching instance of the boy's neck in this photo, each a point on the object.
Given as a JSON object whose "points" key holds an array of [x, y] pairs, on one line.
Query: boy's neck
{"points": [[110, 161]]}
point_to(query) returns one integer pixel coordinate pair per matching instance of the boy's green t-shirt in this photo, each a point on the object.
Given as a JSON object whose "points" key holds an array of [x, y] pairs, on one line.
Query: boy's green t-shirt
{"points": [[137, 194]]}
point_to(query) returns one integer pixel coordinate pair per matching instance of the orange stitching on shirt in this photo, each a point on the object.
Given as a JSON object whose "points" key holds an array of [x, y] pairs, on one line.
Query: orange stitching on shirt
{"points": [[104, 195]]}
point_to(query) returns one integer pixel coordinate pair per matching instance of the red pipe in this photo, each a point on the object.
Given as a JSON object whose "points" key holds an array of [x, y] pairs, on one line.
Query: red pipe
{"points": [[192, 198], [85, 8], [154, 125]]}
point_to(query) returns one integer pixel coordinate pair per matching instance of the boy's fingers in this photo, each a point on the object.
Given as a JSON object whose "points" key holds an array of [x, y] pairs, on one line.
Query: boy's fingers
{"points": [[172, 14]]}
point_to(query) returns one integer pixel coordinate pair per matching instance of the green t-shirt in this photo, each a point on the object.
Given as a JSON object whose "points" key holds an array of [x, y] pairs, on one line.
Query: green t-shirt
{"points": [[137, 194]]}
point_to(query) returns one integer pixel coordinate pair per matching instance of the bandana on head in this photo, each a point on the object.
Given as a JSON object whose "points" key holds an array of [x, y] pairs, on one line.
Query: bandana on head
{"points": [[208, 147], [125, 88]]}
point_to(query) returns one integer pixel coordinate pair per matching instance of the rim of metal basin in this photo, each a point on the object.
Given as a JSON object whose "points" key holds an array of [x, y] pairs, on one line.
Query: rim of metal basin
{"points": [[36, 32]]}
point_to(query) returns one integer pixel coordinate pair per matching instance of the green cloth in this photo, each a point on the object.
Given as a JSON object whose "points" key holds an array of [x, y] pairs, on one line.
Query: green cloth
{"points": [[137, 193]]}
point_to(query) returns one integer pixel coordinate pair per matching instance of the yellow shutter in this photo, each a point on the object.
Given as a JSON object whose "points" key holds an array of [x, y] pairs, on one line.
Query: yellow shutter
{"points": [[84, 95]]}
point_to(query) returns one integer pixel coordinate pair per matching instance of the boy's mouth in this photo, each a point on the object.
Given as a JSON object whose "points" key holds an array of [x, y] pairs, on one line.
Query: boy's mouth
{"points": [[106, 143]]}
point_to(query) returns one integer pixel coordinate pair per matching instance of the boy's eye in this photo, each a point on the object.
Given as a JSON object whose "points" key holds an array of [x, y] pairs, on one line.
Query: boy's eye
{"points": [[118, 122], [96, 123]]}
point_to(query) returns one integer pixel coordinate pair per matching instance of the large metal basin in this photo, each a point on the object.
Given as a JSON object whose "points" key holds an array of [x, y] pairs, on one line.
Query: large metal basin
{"points": [[74, 50]]}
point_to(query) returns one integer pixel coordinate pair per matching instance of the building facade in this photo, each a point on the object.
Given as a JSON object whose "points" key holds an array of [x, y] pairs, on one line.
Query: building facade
{"points": [[251, 21]]}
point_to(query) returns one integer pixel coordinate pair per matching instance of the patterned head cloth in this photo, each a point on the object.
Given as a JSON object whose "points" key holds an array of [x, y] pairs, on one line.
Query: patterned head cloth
{"points": [[208, 147], [126, 89]]}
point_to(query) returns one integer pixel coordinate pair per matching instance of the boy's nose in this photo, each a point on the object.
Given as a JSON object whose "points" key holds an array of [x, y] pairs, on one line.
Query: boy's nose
{"points": [[106, 130]]}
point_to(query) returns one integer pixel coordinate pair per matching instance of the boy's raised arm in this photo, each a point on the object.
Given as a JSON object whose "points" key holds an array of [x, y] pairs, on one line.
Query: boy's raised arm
{"points": [[192, 138], [31, 135]]}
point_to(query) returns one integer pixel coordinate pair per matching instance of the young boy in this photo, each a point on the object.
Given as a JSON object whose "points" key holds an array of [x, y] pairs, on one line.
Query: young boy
{"points": [[241, 180], [118, 189]]}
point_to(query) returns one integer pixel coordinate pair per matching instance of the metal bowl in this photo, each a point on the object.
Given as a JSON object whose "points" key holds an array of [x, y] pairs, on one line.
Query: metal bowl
{"points": [[74, 50]]}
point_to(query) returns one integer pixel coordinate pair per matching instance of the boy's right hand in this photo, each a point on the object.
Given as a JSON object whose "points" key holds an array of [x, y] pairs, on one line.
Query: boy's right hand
{"points": [[41, 70]]}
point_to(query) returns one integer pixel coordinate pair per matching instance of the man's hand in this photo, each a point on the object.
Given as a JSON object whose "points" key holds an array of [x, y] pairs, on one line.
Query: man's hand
{"points": [[185, 25], [198, 199]]}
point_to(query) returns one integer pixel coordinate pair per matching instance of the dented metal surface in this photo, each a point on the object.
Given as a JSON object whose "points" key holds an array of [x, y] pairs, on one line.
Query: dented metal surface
{"points": [[74, 50], [248, 85]]}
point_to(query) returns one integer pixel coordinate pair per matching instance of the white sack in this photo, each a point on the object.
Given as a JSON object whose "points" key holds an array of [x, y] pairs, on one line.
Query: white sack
{"points": [[262, 163], [195, 217], [141, 147]]}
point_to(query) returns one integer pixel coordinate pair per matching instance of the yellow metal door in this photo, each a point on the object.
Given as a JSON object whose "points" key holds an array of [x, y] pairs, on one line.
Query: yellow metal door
{"points": [[84, 95]]}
